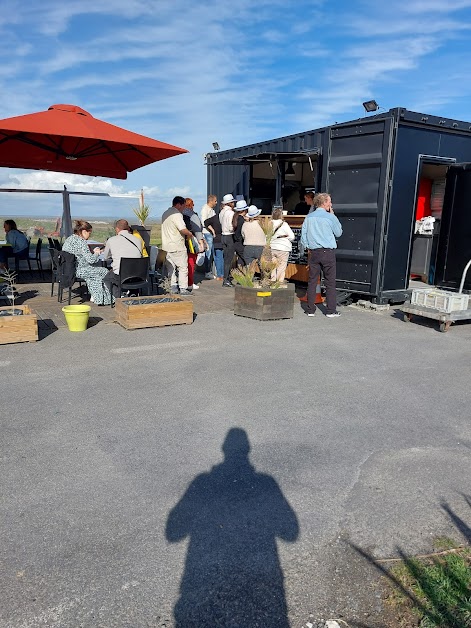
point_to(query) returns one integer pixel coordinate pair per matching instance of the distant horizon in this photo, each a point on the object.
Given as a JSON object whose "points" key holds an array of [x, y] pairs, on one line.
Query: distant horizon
{"points": [[96, 220]]}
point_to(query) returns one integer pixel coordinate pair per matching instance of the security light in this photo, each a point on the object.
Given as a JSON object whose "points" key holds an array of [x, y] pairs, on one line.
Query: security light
{"points": [[215, 146], [370, 105]]}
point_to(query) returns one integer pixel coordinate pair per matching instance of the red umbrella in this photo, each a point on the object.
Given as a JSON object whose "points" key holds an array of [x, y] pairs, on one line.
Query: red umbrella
{"points": [[65, 138]]}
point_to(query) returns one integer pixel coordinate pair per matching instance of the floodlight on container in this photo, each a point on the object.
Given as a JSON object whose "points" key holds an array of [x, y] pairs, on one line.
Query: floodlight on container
{"points": [[370, 105]]}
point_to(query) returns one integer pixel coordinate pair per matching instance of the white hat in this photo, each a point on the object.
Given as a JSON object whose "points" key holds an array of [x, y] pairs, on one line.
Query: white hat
{"points": [[228, 198], [253, 211], [241, 206]]}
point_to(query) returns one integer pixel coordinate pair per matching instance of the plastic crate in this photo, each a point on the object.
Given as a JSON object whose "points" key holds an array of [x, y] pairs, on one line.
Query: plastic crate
{"points": [[440, 300]]}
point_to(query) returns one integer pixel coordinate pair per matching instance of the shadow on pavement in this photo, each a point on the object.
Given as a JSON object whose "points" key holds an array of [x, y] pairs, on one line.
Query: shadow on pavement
{"points": [[232, 517]]}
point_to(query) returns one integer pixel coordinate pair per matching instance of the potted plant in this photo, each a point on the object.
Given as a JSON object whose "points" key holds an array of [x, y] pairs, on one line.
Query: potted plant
{"points": [[261, 298], [142, 213], [154, 311], [17, 323]]}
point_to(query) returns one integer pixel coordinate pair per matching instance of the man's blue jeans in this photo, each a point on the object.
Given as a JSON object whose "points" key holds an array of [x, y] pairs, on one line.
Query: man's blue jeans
{"points": [[219, 261], [208, 253]]}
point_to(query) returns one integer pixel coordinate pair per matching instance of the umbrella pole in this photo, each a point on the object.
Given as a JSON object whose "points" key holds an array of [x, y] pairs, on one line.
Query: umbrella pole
{"points": [[66, 227]]}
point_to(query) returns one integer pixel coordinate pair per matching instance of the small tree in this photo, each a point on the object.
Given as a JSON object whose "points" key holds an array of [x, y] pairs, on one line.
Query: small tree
{"points": [[142, 213], [9, 277]]}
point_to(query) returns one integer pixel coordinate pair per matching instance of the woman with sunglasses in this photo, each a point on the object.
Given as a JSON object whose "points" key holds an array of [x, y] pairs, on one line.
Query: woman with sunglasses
{"points": [[87, 263]]}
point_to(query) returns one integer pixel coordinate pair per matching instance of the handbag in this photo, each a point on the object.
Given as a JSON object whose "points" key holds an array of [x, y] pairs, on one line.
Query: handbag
{"points": [[193, 246]]}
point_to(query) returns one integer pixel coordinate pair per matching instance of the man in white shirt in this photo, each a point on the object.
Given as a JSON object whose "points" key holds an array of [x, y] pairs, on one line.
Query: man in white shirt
{"points": [[123, 244], [207, 211], [174, 233], [225, 217]]}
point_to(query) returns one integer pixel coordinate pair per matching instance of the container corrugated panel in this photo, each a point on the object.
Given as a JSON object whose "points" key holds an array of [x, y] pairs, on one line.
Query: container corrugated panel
{"points": [[440, 300]]}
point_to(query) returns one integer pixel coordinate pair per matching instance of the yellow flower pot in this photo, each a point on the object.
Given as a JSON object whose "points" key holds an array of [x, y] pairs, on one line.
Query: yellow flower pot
{"points": [[76, 316]]}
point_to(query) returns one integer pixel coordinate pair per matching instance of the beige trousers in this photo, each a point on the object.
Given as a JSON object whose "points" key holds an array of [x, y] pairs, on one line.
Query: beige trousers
{"points": [[278, 274], [177, 266]]}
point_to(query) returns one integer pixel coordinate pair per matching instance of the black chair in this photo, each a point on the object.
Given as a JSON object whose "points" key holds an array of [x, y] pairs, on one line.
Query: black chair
{"points": [[133, 274], [51, 242], [57, 244], [37, 257], [63, 272], [22, 255]]}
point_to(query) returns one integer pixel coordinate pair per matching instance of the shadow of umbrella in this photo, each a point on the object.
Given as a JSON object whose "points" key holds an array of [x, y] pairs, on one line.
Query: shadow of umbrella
{"points": [[232, 517]]}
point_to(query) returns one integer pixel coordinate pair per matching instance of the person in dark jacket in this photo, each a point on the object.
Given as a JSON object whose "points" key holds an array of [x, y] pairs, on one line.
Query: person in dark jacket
{"points": [[18, 245], [214, 226], [238, 222]]}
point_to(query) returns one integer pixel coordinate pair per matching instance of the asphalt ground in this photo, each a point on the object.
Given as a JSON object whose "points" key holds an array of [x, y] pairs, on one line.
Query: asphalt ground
{"points": [[130, 497]]}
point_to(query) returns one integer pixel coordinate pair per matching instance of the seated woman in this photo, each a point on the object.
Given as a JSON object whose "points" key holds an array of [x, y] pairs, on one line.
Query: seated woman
{"points": [[87, 267], [19, 245]]}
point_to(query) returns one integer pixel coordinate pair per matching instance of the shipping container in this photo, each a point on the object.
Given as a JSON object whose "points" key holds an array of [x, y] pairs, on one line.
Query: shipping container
{"points": [[384, 173]]}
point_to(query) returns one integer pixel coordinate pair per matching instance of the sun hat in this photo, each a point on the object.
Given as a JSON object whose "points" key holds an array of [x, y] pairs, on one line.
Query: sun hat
{"points": [[240, 197], [228, 198], [241, 206], [253, 211]]}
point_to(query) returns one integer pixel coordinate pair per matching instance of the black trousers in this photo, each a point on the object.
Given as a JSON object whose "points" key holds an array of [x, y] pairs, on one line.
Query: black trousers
{"points": [[229, 250], [322, 259]]}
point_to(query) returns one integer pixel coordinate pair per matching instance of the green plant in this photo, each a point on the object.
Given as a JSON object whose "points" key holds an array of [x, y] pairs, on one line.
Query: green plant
{"points": [[439, 587], [244, 275], [142, 213]]}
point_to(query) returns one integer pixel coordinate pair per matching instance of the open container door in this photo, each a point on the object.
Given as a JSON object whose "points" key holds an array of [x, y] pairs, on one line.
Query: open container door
{"points": [[454, 245], [357, 177]]}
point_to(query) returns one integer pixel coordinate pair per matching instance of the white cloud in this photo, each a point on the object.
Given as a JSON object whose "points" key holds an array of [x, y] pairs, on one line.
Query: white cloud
{"points": [[220, 74]]}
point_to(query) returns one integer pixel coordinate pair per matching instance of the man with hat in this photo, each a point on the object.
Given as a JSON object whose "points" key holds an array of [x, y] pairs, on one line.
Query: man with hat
{"points": [[238, 222], [225, 217]]}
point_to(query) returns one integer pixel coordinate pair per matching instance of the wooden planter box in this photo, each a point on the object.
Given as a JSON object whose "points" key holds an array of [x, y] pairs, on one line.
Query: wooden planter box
{"points": [[264, 305], [22, 328], [153, 311]]}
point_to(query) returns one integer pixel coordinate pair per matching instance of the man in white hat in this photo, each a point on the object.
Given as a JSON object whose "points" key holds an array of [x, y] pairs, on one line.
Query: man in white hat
{"points": [[238, 222], [225, 217]]}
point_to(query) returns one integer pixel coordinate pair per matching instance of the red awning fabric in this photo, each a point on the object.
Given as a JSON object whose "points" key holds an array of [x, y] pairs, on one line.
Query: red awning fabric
{"points": [[66, 138]]}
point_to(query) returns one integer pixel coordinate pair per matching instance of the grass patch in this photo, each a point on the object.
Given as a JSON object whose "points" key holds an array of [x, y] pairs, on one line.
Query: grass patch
{"points": [[436, 588]]}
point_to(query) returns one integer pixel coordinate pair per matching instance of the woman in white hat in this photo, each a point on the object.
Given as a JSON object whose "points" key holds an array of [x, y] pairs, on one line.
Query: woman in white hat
{"points": [[254, 237], [280, 244], [238, 222], [225, 217]]}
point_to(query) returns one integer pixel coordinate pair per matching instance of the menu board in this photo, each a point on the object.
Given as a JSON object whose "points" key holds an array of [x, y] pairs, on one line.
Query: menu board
{"points": [[295, 257]]}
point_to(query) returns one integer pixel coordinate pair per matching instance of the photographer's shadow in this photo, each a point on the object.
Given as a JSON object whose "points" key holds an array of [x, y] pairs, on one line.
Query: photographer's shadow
{"points": [[232, 516]]}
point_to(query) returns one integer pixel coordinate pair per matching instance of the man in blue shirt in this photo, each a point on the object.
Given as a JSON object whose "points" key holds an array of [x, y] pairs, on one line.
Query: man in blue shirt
{"points": [[318, 234]]}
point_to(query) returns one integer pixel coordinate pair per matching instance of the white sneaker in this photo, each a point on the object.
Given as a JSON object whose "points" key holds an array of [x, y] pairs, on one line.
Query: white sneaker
{"points": [[92, 299], [333, 315], [195, 287]]}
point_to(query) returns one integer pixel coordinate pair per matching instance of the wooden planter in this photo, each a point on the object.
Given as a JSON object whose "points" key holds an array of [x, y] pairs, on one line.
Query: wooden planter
{"points": [[153, 311], [22, 328], [264, 305]]}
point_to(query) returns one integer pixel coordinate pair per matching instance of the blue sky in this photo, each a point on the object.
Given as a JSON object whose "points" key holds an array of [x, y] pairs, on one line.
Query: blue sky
{"points": [[190, 73]]}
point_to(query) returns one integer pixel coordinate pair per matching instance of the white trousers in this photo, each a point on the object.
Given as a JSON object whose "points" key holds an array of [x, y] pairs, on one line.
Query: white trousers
{"points": [[177, 265]]}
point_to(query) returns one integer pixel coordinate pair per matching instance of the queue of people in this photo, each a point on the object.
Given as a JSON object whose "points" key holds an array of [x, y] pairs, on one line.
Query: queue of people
{"points": [[220, 239]]}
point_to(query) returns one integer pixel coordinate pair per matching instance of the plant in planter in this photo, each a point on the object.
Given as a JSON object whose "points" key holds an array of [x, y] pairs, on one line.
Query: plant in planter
{"points": [[262, 298], [142, 213], [8, 290], [17, 324]]}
